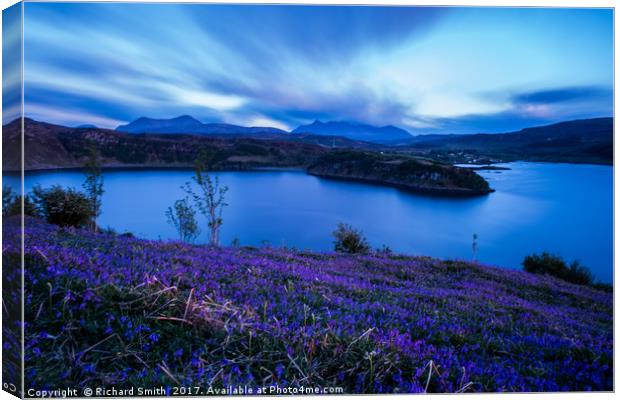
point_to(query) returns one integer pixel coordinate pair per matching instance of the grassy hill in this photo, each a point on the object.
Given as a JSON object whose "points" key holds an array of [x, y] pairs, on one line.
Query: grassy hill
{"points": [[578, 141], [49, 146], [105, 309]]}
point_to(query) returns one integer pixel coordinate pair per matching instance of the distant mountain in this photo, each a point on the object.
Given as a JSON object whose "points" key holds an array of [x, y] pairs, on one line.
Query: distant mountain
{"points": [[356, 131], [54, 146], [87, 126], [189, 125]]}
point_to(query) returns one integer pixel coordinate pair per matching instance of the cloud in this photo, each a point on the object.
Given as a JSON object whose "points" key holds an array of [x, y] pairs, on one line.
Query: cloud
{"points": [[414, 67], [68, 117], [561, 95], [11, 64]]}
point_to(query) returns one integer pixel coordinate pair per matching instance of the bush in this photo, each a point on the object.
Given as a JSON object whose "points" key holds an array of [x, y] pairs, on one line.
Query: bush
{"points": [[64, 207], [7, 199], [11, 204], [554, 265], [349, 240]]}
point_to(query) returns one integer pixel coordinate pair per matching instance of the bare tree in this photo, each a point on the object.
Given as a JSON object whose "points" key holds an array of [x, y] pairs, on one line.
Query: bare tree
{"points": [[93, 185], [208, 195]]}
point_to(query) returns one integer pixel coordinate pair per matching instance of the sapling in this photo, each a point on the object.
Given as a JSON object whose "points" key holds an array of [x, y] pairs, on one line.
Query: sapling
{"points": [[209, 198], [474, 246]]}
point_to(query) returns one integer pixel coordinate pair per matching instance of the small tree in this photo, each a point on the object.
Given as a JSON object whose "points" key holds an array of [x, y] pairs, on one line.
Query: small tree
{"points": [[183, 217], [93, 185], [64, 207], [209, 198], [474, 246], [349, 240]]}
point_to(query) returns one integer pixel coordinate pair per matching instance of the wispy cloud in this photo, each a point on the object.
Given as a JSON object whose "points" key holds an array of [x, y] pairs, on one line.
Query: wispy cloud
{"points": [[286, 65], [11, 64], [68, 117]]}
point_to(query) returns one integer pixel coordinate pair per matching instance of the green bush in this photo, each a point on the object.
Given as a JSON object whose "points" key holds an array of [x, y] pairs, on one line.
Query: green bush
{"points": [[64, 207], [551, 264], [349, 240], [11, 204], [7, 199]]}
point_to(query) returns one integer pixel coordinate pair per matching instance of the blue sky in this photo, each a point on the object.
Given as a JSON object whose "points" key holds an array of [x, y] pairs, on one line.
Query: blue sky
{"points": [[439, 70]]}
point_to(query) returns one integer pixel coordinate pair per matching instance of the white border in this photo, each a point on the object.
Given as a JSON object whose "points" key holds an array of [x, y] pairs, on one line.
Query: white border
{"points": [[485, 3]]}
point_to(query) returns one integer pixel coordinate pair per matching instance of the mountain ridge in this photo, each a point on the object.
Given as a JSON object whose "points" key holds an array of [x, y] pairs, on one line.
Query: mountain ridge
{"points": [[587, 140], [577, 141], [187, 124], [355, 130]]}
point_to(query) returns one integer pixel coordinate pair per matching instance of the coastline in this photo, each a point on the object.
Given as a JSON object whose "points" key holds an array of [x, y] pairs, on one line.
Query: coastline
{"points": [[426, 190], [149, 167]]}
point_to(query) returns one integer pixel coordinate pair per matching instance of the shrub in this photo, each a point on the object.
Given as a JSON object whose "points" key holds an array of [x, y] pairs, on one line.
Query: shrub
{"points": [[64, 207], [7, 199], [11, 204], [551, 264], [349, 240], [579, 274]]}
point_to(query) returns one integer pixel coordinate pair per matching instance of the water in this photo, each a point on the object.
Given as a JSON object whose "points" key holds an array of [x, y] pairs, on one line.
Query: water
{"points": [[562, 208]]}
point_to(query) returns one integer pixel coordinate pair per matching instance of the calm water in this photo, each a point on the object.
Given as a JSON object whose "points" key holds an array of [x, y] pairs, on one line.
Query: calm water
{"points": [[562, 208]]}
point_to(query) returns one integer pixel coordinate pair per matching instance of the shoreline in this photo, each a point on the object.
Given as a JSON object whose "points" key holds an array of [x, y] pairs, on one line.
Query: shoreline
{"points": [[430, 191], [421, 190], [476, 167], [133, 167]]}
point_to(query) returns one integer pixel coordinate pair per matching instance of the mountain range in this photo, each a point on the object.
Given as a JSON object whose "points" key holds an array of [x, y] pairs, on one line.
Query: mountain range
{"points": [[356, 131], [188, 124], [585, 141], [578, 141]]}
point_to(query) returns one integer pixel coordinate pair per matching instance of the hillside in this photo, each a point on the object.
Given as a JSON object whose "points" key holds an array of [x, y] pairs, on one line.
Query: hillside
{"points": [[54, 146], [579, 141], [50, 146], [115, 310], [410, 174]]}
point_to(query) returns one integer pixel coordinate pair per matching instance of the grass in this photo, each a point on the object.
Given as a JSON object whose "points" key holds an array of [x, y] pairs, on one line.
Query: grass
{"points": [[106, 310]]}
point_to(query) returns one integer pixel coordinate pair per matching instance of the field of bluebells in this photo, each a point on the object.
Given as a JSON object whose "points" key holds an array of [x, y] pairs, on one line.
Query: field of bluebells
{"points": [[104, 309]]}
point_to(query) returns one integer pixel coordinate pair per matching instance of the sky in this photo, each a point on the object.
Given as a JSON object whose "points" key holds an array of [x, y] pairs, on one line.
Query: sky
{"points": [[427, 70]]}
